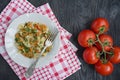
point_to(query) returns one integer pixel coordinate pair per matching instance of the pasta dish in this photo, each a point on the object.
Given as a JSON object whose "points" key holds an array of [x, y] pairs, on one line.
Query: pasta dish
{"points": [[30, 39]]}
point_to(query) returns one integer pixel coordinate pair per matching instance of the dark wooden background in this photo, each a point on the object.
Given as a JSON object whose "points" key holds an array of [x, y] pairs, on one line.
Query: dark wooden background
{"points": [[76, 15]]}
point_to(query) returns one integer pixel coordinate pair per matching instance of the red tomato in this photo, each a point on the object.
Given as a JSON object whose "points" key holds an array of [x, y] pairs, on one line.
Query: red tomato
{"points": [[107, 42], [104, 68], [90, 55], [116, 55], [100, 25], [86, 38]]}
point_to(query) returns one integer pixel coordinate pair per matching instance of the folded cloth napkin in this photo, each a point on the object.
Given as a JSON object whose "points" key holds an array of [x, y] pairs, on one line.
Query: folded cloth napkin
{"points": [[65, 62]]}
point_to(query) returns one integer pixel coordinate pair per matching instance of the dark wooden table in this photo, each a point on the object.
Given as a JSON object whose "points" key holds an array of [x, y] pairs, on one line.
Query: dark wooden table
{"points": [[74, 16]]}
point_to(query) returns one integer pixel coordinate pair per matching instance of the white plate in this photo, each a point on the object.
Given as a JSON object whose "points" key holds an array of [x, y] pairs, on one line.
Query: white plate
{"points": [[10, 40]]}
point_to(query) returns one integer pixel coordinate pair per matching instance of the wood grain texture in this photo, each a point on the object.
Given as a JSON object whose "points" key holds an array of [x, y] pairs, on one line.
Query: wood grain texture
{"points": [[74, 16]]}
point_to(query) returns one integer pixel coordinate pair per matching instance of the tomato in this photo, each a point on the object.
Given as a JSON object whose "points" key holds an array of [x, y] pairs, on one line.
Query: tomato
{"points": [[91, 55], [100, 25], [116, 55], [86, 38], [104, 68], [107, 42]]}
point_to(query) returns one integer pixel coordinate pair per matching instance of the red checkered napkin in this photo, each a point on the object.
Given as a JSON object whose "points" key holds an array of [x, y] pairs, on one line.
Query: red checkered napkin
{"points": [[65, 62]]}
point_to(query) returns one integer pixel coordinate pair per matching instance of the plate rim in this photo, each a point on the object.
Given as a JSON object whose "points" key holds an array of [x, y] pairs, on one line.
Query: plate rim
{"points": [[9, 26]]}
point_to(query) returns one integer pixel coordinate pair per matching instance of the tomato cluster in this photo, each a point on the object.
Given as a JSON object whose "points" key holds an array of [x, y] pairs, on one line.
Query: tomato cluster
{"points": [[99, 48]]}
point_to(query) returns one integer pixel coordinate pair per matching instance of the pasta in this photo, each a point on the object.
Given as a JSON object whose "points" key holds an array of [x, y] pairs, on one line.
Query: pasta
{"points": [[30, 39]]}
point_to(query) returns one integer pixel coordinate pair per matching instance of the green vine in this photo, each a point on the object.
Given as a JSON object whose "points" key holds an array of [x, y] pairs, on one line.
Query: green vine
{"points": [[103, 52]]}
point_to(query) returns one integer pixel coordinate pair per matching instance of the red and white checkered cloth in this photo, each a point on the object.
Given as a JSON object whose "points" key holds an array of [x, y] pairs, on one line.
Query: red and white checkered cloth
{"points": [[65, 62]]}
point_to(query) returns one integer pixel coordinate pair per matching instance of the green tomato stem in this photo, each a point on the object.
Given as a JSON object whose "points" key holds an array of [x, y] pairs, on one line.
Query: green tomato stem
{"points": [[103, 51], [100, 42], [105, 60], [102, 29]]}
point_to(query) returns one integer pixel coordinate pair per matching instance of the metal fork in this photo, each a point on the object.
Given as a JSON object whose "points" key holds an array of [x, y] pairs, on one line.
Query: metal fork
{"points": [[48, 42]]}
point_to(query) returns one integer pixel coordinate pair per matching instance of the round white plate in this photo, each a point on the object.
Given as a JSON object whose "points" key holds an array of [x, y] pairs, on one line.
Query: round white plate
{"points": [[10, 40]]}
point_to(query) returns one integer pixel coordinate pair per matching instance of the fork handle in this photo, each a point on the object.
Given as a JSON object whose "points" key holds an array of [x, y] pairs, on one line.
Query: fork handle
{"points": [[30, 70]]}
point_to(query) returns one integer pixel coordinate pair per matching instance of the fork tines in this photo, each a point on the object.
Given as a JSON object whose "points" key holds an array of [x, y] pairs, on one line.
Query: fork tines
{"points": [[53, 34]]}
